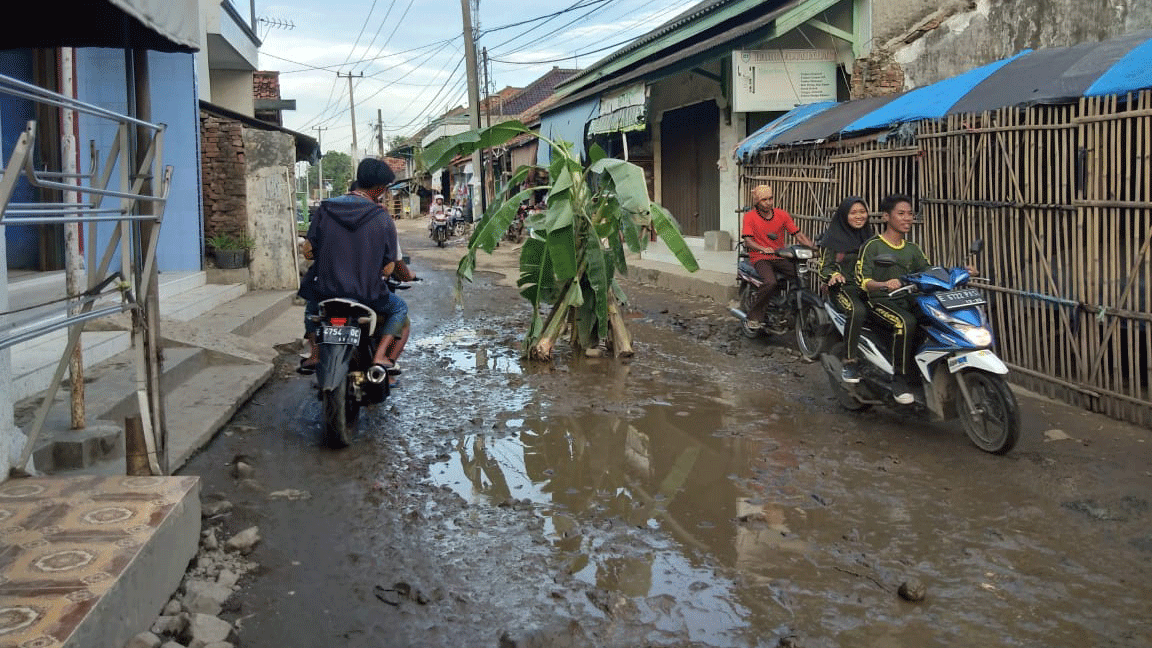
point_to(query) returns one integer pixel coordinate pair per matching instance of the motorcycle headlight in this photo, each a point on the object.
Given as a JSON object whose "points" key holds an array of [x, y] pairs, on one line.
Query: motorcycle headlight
{"points": [[977, 335], [803, 253]]}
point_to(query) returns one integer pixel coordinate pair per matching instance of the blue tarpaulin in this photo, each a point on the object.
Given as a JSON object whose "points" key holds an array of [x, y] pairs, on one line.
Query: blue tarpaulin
{"points": [[1133, 72], [783, 124], [1054, 75], [567, 124], [928, 102]]}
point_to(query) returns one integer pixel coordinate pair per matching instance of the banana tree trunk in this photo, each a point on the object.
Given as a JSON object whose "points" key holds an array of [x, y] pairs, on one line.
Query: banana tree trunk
{"points": [[621, 337]]}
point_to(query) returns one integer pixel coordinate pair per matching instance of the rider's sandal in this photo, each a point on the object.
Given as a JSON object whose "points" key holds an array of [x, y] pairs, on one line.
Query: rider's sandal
{"points": [[306, 368]]}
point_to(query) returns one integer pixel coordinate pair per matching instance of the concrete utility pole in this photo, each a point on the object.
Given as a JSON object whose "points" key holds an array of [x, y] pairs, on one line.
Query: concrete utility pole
{"points": [[320, 172], [352, 106], [380, 130], [473, 99]]}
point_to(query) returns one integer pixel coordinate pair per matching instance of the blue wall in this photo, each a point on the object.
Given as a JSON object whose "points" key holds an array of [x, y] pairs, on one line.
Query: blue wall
{"points": [[23, 241], [101, 81]]}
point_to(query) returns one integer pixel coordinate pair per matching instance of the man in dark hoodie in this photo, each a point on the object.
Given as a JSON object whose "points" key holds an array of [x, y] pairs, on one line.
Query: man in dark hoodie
{"points": [[355, 247]]}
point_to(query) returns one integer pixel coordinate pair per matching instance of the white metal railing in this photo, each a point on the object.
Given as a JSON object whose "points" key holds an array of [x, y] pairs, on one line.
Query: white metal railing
{"points": [[141, 199]]}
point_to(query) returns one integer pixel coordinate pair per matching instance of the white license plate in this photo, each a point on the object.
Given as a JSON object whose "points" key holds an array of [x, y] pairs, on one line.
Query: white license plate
{"points": [[340, 335], [962, 298]]}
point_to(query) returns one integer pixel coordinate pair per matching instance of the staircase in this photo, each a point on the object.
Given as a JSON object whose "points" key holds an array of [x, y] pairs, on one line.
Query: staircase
{"points": [[215, 358]]}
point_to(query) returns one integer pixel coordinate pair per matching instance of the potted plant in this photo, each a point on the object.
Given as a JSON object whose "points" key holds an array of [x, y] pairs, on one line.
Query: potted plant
{"points": [[230, 250]]}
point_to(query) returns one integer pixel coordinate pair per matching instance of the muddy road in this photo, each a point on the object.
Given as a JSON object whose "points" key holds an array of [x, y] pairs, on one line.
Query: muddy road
{"points": [[707, 492]]}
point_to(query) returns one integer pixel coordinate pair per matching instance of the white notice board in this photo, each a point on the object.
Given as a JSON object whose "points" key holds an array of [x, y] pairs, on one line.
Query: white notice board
{"points": [[770, 80]]}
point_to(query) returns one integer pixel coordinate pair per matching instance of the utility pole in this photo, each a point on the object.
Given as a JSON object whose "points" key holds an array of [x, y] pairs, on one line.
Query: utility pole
{"points": [[320, 172], [352, 105], [473, 97], [490, 168], [380, 131]]}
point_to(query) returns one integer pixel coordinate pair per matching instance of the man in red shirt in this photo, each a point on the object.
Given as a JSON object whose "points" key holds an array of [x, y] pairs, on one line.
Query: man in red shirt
{"points": [[763, 234]]}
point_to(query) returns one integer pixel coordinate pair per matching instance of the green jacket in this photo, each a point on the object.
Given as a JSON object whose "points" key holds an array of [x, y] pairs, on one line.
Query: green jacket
{"points": [[909, 258], [829, 266]]}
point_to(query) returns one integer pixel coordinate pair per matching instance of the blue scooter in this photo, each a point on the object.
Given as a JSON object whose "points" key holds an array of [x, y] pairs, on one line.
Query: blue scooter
{"points": [[959, 374]]}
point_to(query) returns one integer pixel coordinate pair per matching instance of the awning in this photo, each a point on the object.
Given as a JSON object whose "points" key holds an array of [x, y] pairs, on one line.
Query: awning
{"points": [[777, 127], [567, 124], [1056, 75], [929, 102], [621, 111], [161, 25]]}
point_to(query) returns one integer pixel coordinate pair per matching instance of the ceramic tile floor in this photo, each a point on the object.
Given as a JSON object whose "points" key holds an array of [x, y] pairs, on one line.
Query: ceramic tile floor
{"points": [[65, 541]]}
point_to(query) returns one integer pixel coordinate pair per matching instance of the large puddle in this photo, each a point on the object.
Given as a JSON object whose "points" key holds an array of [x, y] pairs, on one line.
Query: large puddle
{"points": [[726, 515]]}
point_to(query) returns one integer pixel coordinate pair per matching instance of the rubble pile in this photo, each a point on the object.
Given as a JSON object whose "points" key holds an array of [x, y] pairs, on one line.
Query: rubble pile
{"points": [[191, 618]]}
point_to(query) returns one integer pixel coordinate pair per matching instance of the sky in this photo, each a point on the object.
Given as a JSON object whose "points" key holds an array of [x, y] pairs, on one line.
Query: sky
{"points": [[411, 54]]}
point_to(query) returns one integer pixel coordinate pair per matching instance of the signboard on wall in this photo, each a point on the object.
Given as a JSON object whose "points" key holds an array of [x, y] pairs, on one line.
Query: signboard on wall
{"points": [[771, 80]]}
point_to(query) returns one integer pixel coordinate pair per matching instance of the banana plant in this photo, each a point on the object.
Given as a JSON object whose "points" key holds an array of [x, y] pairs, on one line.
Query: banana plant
{"points": [[576, 250]]}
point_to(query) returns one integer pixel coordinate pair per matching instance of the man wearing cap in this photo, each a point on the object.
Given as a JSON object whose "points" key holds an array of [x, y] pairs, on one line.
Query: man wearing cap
{"points": [[763, 233]]}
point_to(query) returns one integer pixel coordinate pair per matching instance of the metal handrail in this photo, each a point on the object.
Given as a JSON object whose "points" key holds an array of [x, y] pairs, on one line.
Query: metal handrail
{"points": [[36, 93], [43, 328]]}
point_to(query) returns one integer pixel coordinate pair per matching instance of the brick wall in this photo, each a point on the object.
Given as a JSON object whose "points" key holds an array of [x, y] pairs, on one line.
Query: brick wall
{"points": [[223, 171], [877, 76], [266, 85]]}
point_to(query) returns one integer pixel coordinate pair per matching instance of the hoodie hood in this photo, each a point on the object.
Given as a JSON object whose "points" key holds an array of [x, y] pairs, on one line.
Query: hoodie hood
{"points": [[350, 211]]}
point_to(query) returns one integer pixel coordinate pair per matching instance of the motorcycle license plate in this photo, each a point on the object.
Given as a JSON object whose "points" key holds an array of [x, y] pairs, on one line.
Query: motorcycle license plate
{"points": [[340, 335], [962, 298]]}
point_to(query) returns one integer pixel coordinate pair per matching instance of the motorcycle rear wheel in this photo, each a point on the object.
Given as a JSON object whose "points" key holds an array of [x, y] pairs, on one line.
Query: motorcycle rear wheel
{"points": [[843, 397], [339, 416], [995, 427], [811, 331]]}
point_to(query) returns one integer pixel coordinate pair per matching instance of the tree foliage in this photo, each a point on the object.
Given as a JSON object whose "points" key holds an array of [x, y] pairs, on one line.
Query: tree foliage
{"points": [[578, 245], [337, 169]]}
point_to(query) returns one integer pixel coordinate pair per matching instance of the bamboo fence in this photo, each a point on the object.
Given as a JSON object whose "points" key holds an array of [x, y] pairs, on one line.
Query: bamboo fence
{"points": [[1061, 196]]}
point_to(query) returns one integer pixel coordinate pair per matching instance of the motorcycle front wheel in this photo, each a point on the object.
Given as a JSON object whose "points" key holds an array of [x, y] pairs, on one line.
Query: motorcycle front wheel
{"points": [[994, 426], [339, 416], [811, 331], [747, 294]]}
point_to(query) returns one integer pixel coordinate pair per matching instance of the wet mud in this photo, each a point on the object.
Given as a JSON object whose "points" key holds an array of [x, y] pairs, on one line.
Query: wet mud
{"points": [[706, 492]]}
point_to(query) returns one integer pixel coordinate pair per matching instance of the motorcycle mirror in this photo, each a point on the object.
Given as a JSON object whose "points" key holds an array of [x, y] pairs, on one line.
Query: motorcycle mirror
{"points": [[885, 260], [976, 248]]}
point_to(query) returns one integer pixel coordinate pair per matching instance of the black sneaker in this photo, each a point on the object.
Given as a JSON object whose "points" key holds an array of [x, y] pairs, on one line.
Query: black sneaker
{"points": [[900, 391], [850, 373]]}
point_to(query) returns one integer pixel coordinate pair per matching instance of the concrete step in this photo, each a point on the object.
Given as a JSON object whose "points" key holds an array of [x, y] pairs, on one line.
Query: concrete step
{"points": [[193, 303], [204, 403], [34, 362], [109, 395], [122, 545], [248, 313]]}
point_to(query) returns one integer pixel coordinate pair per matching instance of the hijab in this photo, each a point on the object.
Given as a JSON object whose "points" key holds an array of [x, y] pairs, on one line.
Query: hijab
{"points": [[842, 237]]}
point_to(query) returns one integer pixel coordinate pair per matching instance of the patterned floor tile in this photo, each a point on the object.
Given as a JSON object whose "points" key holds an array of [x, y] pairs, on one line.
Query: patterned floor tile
{"points": [[65, 541]]}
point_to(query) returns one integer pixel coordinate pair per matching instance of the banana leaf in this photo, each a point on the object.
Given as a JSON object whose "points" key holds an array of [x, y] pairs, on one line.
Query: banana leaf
{"points": [[599, 277], [537, 279], [669, 231], [494, 224], [562, 252], [445, 150], [628, 180]]}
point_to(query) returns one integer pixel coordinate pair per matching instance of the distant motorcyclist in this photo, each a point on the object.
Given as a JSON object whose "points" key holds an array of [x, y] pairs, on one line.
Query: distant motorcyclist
{"points": [[436, 209]]}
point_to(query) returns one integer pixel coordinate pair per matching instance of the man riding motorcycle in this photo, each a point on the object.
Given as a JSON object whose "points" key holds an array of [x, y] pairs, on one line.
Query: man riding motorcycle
{"points": [[763, 233], [355, 247]]}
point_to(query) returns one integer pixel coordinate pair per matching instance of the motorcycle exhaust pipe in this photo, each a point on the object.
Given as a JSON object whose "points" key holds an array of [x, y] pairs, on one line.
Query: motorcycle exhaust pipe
{"points": [[738, 313], [377, 374]]}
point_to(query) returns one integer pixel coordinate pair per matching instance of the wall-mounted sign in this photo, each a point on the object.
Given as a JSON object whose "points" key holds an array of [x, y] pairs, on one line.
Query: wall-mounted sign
{"points": [[770, 80]]}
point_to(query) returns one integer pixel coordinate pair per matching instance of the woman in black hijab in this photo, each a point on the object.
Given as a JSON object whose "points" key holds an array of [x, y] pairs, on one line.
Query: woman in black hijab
{"points": [[841, 245]]}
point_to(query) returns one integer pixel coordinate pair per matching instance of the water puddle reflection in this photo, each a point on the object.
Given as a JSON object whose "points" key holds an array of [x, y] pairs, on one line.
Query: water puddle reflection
{"points": [[464, 350]]}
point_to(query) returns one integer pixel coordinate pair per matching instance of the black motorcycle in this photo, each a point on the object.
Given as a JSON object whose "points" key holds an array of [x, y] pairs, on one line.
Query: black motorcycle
{"points": [[348, 337], [792, 308]]}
